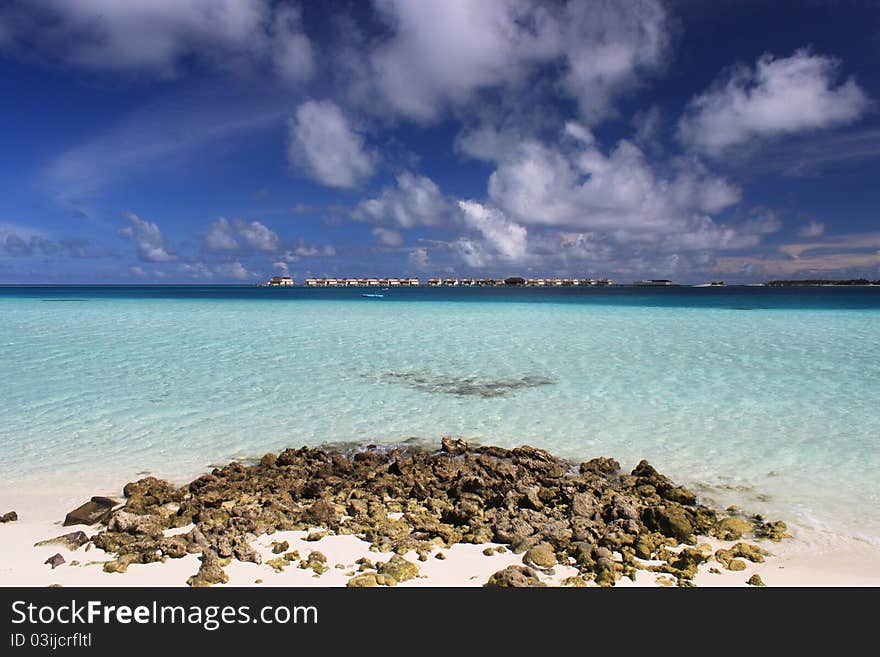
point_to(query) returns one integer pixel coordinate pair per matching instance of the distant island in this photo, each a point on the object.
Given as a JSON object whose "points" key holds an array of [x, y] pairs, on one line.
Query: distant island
{"points": [[820, 281]]}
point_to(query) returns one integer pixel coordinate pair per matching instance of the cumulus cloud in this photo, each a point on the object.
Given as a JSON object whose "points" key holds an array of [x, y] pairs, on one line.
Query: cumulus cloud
{"points": [[607, 46], [235, 270], [224, 235], [574, 184], [779, 96], [443, 52], [220, 236], [323, 144], [155, 37], [419, 257], [505, 237], [149, 239], [19, 242], [414, 201], [291, 49], [257, 236], [197, 270]]}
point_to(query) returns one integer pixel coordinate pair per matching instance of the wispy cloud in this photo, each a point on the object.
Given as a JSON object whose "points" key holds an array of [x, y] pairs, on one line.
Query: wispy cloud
{"points": [[159, 132]]}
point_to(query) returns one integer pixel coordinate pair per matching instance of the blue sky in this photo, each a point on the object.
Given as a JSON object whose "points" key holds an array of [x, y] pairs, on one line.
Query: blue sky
{"points": [[225, 141]]}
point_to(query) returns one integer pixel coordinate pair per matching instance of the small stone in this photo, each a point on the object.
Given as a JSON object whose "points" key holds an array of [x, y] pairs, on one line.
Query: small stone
{"points": [[736, 564], [362, 581], [489, 551], [258, 581], [385, 580], [10, 516], [515, 577], [55, 560], [755, 580], [453, 446], [210, 573], [576, 581], [540, 555], [279, 547], [440, 556], [72, 541], [315, 536], [732, 529], [120, 564], [399, 568]]}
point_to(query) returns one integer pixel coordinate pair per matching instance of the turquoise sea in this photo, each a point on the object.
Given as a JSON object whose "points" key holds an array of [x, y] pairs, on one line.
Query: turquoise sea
{"points": [[768, 398]]}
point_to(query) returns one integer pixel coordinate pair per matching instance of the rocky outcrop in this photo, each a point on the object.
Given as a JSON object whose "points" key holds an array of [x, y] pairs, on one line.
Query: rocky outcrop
{"points": [[594, 516]]}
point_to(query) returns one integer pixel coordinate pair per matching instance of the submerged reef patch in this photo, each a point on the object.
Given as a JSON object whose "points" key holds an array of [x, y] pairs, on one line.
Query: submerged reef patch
{"points": [[465, 385]]}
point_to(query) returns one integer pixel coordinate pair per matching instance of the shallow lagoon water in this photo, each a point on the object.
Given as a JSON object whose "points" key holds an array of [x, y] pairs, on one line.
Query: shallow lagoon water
{"points": [[761, 397]]}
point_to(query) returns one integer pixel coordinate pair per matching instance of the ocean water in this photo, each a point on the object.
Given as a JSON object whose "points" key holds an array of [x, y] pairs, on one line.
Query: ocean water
{"points": [[766, 398]]}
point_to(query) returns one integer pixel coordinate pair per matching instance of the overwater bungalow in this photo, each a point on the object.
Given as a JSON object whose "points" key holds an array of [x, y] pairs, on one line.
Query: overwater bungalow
{"points": [[283, 281], [433, 282]]}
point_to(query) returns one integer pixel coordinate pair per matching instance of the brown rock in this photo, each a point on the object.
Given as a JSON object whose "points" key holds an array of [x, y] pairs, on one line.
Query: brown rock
{"points": [[10, 516], [55, 560], [755, 580], [453, 446], [540, 555], [210, 573], [515, 577], [71, 541], [94, 511]]}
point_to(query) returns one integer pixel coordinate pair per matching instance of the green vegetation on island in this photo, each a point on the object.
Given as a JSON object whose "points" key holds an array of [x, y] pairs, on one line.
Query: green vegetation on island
{"points": [[820, 281]]}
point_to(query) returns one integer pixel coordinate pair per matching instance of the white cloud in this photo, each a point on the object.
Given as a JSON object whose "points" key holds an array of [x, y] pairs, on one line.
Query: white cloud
{"points": [[325, 146], [235, 270], [419, 257], [472, 253], [223, 235], [155, 37], [812, 229], [414, 201], [387, 236], [607, 46], [257, 236], [197, 270], [780, 96], [148, 237], [140, 35], [443, 52], [577, 185], [506, 238], [281, 267], [220, 236], [291, 48]]}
